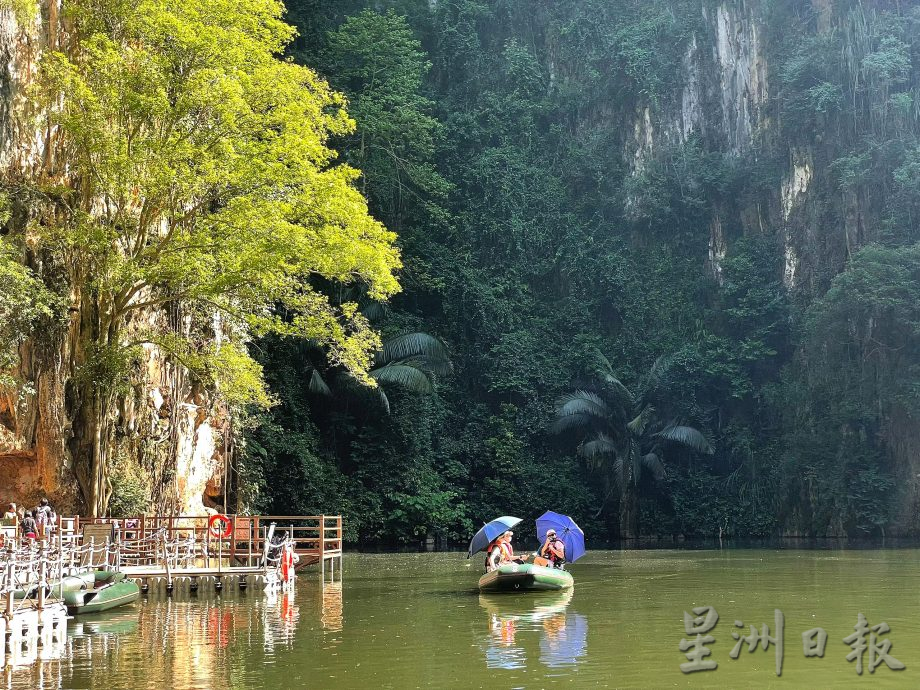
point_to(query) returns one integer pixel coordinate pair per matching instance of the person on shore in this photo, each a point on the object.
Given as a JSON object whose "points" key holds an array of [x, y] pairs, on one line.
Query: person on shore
{"points": [[27, 527], [10, 513], [45, 518], [553, 550]]}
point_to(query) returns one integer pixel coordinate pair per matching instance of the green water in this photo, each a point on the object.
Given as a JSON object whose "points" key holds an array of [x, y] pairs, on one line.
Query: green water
{"points": [[416, 620]]}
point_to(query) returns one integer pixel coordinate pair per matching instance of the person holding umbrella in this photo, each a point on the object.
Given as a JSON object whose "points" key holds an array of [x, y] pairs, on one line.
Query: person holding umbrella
{"points": [[561, 528], [553, 549]]}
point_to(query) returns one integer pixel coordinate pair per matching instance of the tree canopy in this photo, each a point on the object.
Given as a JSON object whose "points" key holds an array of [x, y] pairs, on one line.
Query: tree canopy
{"points": [[189, 164]]}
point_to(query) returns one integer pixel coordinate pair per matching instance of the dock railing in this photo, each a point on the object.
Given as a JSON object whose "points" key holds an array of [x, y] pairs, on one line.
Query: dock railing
{"points": [[316, 539]]}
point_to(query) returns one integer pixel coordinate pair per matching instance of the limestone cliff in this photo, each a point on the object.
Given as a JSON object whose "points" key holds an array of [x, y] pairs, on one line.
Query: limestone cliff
{"points": [[168, 432], [734, 77]]}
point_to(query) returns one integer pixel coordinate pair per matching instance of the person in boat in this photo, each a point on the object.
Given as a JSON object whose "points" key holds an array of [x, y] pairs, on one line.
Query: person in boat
{"points": [[28, 526], [501, 552], [553, 550]]}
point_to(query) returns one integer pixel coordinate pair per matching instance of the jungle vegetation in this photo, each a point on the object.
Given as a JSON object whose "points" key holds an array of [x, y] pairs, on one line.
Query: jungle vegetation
{"points": [[604, 363], [186, 172], [610, 302]]}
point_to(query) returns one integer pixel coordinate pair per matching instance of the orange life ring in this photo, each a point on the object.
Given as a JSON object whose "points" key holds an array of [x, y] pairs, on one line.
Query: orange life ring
{"points": [[220, 533], [287, 565]]}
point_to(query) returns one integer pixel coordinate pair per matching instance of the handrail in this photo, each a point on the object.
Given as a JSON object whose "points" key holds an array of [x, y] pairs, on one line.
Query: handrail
{"points": [[173, 542]]}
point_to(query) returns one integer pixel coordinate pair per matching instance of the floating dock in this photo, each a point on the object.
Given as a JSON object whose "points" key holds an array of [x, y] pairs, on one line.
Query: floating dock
{"points": [[157, 552]]}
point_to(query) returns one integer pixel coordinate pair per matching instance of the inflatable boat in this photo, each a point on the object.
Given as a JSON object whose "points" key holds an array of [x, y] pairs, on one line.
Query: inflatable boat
{"points": [[108, 590], [523, 577]]}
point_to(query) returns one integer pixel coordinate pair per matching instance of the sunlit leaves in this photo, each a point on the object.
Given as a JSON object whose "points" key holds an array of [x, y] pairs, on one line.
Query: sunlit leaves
{"points": [[205, 178]]}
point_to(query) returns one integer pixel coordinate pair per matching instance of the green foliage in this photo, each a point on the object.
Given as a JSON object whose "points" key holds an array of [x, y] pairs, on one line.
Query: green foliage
{"points": [[24, 303], [191, 173], [622, 433], [25, 11], [536, 249], [166, 107], [378, 62], [131, 488]]}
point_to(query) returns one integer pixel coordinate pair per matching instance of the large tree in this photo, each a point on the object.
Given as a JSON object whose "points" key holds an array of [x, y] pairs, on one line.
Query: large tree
{"points": [[378, 62], [188, 171]]}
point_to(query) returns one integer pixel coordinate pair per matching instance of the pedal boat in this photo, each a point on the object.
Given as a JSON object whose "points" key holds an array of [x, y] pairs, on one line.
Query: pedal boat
{"points": [[525, 577]]}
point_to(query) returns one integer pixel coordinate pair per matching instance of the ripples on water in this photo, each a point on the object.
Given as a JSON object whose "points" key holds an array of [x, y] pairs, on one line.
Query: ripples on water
{"points": [[416, 620]]}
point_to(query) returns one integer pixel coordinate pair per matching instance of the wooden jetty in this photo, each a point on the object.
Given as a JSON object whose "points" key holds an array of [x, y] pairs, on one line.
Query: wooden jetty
{"points": [[157, 552], [168, 551]]}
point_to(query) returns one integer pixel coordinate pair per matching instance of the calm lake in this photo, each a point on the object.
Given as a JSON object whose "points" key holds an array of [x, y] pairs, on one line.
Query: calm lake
{"points": [[416, 620]]}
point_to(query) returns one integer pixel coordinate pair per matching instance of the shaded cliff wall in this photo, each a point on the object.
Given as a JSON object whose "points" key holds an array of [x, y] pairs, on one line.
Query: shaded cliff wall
{"points": [[820, 94]]}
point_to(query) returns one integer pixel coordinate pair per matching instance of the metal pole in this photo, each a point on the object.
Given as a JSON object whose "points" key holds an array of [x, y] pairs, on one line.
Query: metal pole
{"points": [[166, 563], [42, 572]]}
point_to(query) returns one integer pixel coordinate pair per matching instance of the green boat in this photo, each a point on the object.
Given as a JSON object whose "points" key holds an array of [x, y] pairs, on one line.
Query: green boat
{"points": [[515, 577], [58, 587], [108, 590]]}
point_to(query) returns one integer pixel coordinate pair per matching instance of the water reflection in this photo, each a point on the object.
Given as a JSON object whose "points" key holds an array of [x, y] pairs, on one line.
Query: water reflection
{"points": [[332, 614], [565, 640], [514, 620], [122, 620], [187, 641]]}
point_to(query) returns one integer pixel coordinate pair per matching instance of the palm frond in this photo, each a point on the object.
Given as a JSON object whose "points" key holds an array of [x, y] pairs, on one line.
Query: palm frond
{"points": [[374, 311], [652, 462], [408, 377], [318, 385], [637, 425], [432, 366], [384, 400], [659, 370], [620, 392], [414, 345], [686, 436], [572, 421], [654, 380], [582, 402], [601, 444], [604, 367]]}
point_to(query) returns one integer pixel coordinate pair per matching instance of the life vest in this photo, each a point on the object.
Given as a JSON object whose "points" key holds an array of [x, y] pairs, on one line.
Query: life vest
{"points": [[549, 552], [507, 553], [489, 549]]}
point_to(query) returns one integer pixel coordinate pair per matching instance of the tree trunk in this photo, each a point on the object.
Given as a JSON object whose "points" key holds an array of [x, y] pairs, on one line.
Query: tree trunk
{"points": [[90, 402], [629, 513]]}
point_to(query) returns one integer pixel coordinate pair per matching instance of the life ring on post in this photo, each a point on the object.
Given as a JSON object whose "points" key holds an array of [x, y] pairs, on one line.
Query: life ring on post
{"points": [[219, 533]]}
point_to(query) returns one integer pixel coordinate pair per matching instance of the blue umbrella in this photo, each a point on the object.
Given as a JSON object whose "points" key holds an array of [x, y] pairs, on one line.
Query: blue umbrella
{"points": [[566, 531], [489, 531]]}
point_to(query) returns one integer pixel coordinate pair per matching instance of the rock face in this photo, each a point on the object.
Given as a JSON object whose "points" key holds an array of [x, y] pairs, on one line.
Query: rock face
{"points": [[723, 92], [730, 100], [165, 426]]}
